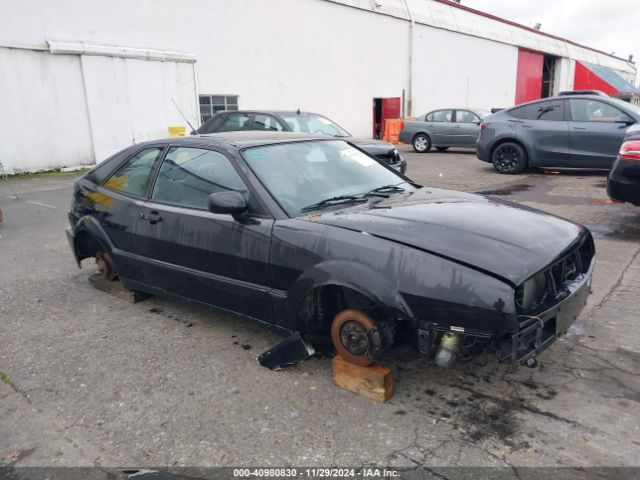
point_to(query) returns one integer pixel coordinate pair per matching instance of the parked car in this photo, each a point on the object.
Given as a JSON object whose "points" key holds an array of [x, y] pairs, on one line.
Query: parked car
{"points": [[315, 236], [561, 132], [623, 183], [306, 122], [444, 128]]}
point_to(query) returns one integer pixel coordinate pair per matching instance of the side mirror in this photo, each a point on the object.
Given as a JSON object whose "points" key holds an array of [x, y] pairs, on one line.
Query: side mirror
{"points": [[624, 119], [230, 202]]}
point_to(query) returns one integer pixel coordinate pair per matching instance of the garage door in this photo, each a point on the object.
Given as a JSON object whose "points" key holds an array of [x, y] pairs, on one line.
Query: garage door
{"points": [[130, 101]]}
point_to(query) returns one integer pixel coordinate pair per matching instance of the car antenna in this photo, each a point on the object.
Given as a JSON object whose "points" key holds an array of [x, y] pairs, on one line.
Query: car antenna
{"points": [[183, 115], [298, 112]]}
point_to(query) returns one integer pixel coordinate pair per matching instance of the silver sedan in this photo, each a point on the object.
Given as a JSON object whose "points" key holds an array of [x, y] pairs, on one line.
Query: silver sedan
{"points": [[444, 128]]}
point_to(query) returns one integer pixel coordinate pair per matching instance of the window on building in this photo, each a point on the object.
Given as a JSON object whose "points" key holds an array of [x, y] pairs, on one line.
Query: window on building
{"points": [[133, 176], [189, 175], [210, 104]]}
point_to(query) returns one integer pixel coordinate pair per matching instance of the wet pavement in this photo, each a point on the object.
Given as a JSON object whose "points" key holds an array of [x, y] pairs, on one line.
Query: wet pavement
{"points": [[88, 379]]}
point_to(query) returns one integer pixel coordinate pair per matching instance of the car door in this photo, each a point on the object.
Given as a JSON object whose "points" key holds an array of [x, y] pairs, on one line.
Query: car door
{"points": [[118, 202], [596, 132], [440, 124], [189, 251], [544, 131], [466, 128]]}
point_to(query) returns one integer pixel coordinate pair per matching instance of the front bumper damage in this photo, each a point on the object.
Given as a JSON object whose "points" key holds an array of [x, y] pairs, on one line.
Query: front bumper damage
{"points": [[538, 332]]}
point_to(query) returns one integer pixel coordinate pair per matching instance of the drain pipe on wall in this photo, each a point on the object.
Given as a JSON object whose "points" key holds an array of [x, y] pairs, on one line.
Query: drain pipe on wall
{"points": [[409, 97]]}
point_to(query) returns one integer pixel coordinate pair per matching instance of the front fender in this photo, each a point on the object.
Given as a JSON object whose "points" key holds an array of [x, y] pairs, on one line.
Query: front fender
{"points": [[355, 276], [89, 225]]}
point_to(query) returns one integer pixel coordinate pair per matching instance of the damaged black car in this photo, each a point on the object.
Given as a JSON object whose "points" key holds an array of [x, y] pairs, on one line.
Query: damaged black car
{"points": [[315, 236]]}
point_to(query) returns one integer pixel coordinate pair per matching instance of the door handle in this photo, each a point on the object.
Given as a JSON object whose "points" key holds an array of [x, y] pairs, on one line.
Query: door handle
{"points": [[579, 128], [458, 126], [152, 217]]}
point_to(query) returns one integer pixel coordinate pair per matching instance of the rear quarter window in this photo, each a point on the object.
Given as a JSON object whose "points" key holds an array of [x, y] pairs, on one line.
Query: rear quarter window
{"points": [[212, 125], [101, 172], [550, 110]]}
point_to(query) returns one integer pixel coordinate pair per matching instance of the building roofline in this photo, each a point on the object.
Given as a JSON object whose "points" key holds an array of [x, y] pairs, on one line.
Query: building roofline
{"points": [[519, 25]]}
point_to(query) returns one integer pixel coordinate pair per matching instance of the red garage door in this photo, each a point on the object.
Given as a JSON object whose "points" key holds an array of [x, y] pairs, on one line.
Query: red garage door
{"points": [[529, 79]]}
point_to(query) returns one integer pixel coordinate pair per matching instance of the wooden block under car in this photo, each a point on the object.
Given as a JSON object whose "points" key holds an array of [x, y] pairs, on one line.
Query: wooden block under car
{"points": [[376, 381], [115, 288]]}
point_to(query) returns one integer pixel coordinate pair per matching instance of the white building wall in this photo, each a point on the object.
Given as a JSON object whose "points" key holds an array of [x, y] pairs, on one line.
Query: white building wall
{"points": [[43, 113], [330, 56], [313, 55], [565, 74], [453, 70]]}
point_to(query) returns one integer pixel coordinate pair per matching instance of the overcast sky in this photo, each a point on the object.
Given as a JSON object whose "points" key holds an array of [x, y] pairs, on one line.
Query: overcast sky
{"points": [[610, 26]]}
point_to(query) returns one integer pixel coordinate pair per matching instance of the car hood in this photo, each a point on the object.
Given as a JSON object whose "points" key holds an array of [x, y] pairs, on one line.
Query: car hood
{"points": [[371, 146], [501, 238]]}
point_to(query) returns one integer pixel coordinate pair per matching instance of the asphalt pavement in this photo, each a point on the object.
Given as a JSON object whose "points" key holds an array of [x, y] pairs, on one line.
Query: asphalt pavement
{"points": [[90, 380]]}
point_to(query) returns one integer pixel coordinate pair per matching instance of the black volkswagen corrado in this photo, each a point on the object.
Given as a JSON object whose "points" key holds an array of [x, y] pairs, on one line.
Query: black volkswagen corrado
{"points": [[314, 236]]}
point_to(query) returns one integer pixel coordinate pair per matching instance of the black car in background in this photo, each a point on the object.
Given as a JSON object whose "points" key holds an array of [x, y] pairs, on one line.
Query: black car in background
{"points": [[300, 122], [582, 131], [623, 183], [314, 236]]}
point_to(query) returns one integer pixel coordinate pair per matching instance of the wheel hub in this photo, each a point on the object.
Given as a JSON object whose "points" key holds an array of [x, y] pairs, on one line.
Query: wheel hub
{"points": [[508, 158], [421, 143], [354, 338]]}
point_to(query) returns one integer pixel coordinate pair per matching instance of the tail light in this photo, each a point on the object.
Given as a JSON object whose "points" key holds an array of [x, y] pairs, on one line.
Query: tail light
{"points": [[483, 125], [630, 150]]}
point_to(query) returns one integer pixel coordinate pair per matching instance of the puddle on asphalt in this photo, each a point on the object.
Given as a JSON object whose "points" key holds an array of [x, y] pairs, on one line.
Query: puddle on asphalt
{"points": [[509, 190], [536, 191], [616, 232]]}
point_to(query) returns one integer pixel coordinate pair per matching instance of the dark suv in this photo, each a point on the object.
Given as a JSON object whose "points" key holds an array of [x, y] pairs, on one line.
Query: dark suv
{"points": [[304, 122], [582, 131]]}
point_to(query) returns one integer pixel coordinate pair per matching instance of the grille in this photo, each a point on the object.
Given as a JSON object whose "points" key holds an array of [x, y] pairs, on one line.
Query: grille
{"points": [[551, 285]]}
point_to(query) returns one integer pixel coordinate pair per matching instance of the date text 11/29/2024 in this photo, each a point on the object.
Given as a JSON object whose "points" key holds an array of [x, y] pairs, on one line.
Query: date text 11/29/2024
{"points": [[315, 473]]}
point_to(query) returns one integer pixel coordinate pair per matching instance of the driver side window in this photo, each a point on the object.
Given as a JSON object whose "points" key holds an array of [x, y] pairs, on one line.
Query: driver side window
{"points": [[583, 110], [465, 116], [189, 175]]}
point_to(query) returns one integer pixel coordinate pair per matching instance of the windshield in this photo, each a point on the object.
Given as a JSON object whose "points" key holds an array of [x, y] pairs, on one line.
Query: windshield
{"points": [[302, 174], [312, 123]]}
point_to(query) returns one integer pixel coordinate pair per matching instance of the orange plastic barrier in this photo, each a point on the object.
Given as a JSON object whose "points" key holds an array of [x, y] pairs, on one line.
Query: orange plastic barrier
{"points": [[390, 130]]}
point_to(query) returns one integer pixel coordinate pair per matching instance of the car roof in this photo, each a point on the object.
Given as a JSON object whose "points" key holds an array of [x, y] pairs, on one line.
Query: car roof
{"points": [[272, 112], [242, 139], [559, 97]]}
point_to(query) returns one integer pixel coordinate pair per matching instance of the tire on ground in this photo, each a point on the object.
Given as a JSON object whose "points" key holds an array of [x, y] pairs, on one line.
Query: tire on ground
{"points": [[509, 158], [421, 143]]}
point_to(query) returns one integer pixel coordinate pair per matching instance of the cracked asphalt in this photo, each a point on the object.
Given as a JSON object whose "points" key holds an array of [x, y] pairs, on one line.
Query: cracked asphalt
{"points": [[90, 380]]}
